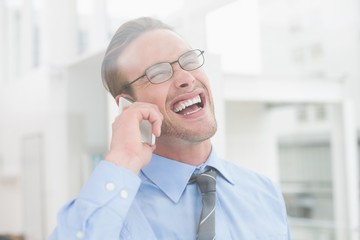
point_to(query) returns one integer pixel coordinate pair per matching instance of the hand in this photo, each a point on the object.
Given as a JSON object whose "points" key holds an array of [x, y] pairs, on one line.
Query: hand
{"points": [[126, 148]]}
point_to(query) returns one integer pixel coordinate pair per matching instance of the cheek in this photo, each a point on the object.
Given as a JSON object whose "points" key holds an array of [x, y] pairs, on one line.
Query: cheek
{"points": [[202, 77], [158, 95]]}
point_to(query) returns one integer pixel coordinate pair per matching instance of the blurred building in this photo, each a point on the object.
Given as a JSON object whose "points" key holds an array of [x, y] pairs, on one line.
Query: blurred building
{"points": [[285, 78]]}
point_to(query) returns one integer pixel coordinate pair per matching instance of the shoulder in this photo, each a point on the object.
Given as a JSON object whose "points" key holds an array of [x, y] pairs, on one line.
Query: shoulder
{"points": [[248, 179]]}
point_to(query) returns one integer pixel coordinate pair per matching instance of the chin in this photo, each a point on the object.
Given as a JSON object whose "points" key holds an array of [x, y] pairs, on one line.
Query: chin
{"points": [[205, 132]]}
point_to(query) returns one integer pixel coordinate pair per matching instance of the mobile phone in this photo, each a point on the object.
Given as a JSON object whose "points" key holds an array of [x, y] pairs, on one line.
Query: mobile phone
{"points": [[145, 126]]}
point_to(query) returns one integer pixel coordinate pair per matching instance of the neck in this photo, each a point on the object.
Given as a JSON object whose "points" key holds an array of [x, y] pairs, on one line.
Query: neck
{"points": [[183, 151]]}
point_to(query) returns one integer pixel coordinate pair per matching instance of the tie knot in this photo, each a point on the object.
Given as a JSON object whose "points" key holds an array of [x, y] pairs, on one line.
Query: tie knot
{"points": [[206, 181]]}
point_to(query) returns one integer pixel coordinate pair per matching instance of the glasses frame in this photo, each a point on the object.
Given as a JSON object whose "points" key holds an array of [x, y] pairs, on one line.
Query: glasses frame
{"points": [[201, 53]]}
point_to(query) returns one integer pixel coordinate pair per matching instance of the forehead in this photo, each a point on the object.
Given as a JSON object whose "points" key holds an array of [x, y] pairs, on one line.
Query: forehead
{"points": [[152, 47]]}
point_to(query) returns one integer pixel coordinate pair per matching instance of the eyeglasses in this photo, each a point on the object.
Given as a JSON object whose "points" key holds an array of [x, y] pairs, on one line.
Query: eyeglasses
{"points": [[162, 72]]}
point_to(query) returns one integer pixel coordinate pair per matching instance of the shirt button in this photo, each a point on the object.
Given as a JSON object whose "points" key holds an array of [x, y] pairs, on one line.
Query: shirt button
{"points": [[110, 187], [79, 235], [124, 194]]}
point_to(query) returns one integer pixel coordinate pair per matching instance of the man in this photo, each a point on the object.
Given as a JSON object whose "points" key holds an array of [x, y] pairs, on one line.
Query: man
{"points": [[143, 191]]}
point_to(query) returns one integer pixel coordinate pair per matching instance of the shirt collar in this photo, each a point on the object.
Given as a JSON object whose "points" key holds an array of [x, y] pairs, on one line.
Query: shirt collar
{"points": [[217, 163], [172, 176]]}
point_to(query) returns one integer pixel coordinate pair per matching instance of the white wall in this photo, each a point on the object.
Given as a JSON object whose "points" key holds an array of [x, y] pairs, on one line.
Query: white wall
{"points": [[22, 114], [87, 117], [250, 138], [11, 206]]}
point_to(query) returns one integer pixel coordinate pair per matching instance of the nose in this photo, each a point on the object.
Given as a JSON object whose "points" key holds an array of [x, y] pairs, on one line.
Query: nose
{"points": [[182, 78]]}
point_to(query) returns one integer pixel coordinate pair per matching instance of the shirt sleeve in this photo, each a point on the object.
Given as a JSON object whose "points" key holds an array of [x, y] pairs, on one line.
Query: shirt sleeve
{"points": [[101, 206]]}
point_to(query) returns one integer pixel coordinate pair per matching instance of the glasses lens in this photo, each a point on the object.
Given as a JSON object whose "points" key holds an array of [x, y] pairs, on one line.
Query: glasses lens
{"points": [[159, 73], [191, 60]]}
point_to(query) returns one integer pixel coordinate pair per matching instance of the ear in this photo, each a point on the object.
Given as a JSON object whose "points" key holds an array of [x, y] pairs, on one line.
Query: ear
{"points": [[124, 95]]}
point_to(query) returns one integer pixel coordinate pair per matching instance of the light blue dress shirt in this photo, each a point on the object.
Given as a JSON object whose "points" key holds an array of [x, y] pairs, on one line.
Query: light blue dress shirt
{"points": [[160, 204]]}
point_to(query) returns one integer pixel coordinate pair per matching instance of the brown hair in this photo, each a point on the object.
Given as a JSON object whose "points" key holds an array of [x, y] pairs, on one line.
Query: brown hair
{"points": [[127, 32]]}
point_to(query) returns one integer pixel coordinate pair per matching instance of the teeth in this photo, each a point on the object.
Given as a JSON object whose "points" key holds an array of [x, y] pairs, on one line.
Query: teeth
{"points": [[181, 106]]}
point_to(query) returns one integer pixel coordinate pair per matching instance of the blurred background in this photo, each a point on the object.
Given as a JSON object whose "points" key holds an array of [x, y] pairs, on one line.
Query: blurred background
{"points": [[285, 76]]}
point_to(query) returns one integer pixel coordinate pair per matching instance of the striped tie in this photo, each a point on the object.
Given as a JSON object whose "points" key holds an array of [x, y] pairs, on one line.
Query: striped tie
{"points": [[207, 185]]}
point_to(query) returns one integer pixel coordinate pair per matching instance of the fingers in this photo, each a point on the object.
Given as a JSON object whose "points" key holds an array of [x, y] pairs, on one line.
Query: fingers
{"points": [[152, 114], [126, 147]]}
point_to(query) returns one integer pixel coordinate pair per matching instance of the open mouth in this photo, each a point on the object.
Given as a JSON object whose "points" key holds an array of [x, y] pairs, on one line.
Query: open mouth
{"points": [[189, 106]]}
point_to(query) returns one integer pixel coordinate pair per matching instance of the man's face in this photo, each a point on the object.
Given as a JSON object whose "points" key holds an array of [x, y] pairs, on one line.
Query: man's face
{"points": [[191, 90]]}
